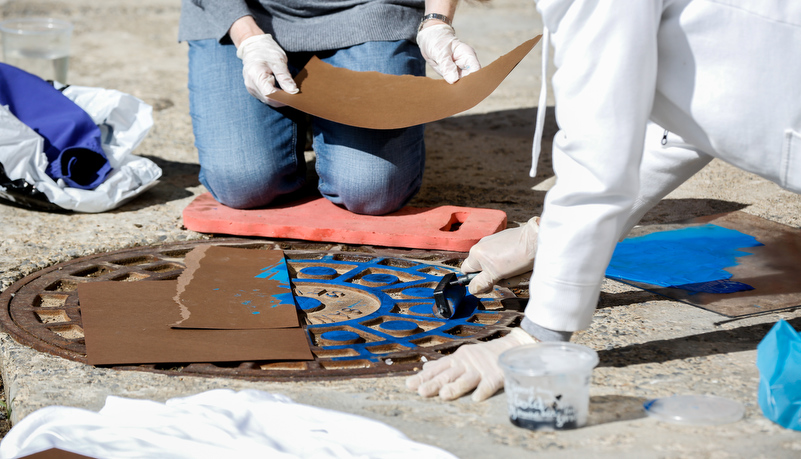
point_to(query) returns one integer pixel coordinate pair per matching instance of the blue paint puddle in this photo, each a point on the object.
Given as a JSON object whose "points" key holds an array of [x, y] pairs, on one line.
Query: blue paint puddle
{"points": [[692, 259], [255, 312]]}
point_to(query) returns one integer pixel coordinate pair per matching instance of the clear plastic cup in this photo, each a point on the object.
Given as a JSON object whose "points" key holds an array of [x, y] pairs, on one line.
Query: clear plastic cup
{"points": [[38, 45], [547, 385]]}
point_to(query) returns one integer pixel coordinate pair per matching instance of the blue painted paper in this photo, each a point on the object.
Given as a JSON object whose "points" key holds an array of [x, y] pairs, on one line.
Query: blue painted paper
{"points": [[694, 259]]}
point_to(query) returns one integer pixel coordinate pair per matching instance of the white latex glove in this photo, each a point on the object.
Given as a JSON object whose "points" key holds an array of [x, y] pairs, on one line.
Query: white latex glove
{"points": [[263, 64], [502, 255], [445, 53], [473, 366]]}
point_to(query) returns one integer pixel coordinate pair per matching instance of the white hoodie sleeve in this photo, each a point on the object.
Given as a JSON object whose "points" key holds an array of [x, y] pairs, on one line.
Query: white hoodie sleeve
{"points": [[606, 60]]}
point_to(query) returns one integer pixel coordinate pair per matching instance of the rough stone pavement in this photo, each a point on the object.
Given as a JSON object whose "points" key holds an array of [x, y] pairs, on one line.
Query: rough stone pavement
{"points": [[649, 347]]}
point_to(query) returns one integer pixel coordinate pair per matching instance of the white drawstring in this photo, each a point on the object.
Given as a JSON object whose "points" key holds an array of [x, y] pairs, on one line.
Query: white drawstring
{"points": [[541, 106]]}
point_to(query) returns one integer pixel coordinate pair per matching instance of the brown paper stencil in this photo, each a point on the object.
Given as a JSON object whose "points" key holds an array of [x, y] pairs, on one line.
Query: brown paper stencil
{"points": [[235, 289], [773, 269], [379, 101], [129, 323]]}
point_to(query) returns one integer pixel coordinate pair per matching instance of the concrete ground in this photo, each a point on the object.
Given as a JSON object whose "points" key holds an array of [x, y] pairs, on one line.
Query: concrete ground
{"points": [[649, 347]]}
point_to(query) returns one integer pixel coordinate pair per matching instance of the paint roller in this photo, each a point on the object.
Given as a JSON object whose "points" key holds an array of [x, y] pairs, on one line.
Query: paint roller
{"points": [[451, 291]]}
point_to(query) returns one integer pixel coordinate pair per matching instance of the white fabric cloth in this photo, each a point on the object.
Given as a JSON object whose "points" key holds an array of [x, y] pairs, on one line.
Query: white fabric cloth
{"points": [[124, 122], [723, 76], [216, 424]]}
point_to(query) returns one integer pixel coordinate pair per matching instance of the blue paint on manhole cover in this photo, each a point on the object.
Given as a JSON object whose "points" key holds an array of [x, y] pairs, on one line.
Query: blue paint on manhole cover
{"points": [[356, 323], [317, 271], [398, 325], [305, 303], [422, 309], [380, 278], [340, 335], [419, 292]]}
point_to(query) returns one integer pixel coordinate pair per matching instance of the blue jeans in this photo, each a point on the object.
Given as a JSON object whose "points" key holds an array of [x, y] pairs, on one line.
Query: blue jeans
{"points": [[251, 153]]}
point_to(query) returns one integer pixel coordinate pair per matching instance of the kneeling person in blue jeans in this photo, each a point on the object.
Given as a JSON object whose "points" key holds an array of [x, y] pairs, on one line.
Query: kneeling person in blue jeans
{"points": [[251, 148]]}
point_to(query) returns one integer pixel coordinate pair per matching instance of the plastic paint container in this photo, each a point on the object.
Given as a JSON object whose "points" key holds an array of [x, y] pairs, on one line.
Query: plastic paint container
{"points": [[548, 385], [38, 45]]}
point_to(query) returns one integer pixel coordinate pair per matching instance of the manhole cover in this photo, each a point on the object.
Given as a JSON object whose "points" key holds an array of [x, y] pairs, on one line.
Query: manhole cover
{"points": [[367, 311]]}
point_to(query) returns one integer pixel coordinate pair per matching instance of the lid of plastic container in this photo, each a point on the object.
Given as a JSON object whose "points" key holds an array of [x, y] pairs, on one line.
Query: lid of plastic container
{"points": [[695, 409], [548, 358]]}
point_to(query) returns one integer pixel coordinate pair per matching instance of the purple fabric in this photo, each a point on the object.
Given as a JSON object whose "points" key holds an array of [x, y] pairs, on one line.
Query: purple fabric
{"points": [[71, 139]]}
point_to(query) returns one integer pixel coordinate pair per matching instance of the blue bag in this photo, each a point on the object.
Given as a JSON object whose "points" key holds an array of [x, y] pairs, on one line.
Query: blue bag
{"points": [[72, 139], [779, 363]]}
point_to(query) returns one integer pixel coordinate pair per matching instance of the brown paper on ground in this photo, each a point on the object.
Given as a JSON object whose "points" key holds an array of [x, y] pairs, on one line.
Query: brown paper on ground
{"points": [[235, 289], [55, 453], [379, 101], [129, 323]]}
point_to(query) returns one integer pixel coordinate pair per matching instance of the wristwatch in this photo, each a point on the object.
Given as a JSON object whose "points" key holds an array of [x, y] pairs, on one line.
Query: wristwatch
{"points": [[431, 16]]}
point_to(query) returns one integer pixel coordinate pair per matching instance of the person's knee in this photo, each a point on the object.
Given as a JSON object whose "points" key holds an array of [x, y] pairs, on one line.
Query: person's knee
{"points": [[374, 195], [245, 187]]}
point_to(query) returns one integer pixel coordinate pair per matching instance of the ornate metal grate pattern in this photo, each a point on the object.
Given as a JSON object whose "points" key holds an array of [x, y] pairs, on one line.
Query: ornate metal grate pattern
{"points": [[367, 311]]}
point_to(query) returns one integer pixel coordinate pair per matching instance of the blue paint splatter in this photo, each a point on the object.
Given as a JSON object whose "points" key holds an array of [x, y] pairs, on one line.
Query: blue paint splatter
{"points": [[692, 258], [216, 288], [246, 302], [277, 272], [255, 312]]}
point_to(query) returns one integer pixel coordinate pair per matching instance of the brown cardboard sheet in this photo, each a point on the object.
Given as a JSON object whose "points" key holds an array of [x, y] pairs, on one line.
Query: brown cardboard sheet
{"points": [[235, 289], [773, 269], [55, 453], [379, 101], [129, 323]]}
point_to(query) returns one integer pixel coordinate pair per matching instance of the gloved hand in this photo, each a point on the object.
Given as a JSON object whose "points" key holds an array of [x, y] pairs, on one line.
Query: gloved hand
{"points": [[473, 366], [502, 255], [445, 53], [264, 63]]}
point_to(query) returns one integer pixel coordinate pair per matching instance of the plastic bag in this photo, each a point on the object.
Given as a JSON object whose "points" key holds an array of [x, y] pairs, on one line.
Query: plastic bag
{"points": [[123, 120], [779, 363]]}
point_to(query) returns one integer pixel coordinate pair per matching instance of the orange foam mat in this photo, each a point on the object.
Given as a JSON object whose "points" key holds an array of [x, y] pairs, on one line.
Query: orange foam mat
{"points": [[317, 219]]}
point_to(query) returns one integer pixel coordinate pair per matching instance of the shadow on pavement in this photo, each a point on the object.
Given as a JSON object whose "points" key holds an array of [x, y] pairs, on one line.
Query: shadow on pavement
{"points": [[702, 345]]}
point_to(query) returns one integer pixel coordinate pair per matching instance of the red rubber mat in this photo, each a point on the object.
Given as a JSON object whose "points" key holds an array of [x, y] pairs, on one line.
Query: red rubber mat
{"points": [[317, 219]]}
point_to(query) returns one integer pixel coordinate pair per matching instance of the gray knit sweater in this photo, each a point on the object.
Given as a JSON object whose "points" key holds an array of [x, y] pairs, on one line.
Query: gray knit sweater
{"points": [[312, 25]]}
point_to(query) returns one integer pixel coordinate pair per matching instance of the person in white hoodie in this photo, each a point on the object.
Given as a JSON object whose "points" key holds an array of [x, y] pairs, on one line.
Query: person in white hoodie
{"points": [[647, 92]]}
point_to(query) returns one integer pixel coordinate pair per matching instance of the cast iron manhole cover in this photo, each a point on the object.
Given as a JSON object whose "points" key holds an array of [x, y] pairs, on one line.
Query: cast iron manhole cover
{"points": [[367, 311]]}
